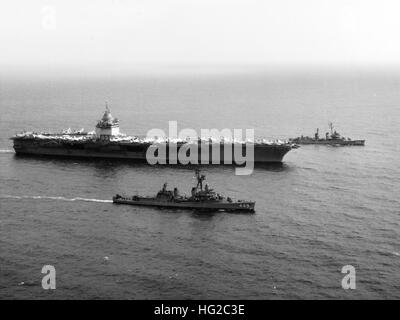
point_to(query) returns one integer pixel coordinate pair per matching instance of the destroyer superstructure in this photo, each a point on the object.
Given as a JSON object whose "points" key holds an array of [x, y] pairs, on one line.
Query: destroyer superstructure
{"points": [[201, 198], [331, 138]]}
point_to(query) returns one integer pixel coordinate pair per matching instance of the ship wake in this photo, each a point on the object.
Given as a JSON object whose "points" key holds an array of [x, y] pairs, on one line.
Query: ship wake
{"points": [[55, 198]]}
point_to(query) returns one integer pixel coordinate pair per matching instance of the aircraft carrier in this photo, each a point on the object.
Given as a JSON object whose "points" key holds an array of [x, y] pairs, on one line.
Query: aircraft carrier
{"points": [[107, 142]]}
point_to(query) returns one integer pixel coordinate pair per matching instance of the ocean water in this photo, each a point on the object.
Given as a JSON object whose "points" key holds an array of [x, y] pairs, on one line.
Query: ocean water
{"points": [[324, 208]]}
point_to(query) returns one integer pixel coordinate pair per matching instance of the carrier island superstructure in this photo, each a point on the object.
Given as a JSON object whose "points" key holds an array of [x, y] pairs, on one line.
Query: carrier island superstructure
{"points": [[108, 142]]}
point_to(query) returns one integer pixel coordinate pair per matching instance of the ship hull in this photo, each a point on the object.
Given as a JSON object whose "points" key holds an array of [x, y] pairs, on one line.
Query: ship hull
{"points": [[331, 142], [262, 153], [193, 205]]}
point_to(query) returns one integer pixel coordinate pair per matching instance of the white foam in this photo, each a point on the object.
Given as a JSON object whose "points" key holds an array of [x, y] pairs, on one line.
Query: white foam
{"points": [[6, 151], [55, 198]]}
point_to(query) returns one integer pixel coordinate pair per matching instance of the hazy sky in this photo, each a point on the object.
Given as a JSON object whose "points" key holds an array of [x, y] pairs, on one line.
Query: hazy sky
{"points": [[123, 35]]}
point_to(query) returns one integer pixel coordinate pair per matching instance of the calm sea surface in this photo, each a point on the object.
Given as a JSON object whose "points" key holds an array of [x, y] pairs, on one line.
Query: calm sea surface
{"points": [[324, 208]]}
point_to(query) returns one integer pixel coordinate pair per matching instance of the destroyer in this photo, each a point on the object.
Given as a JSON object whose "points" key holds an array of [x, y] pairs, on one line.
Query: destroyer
{"points": [[332, 138], [107, 142], [200, 199]]}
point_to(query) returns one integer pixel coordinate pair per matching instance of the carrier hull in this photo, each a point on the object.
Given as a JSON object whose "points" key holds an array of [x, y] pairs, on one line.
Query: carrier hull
{"points": [[137, 151]]}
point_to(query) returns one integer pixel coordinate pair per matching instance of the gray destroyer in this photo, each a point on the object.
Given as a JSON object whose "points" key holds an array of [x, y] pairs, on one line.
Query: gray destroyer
{"points": [[332, 138], [201, 199]]}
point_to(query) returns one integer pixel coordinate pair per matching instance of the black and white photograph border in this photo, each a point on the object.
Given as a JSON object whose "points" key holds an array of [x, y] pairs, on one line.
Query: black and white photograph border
{"points": [[199, 154]]}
